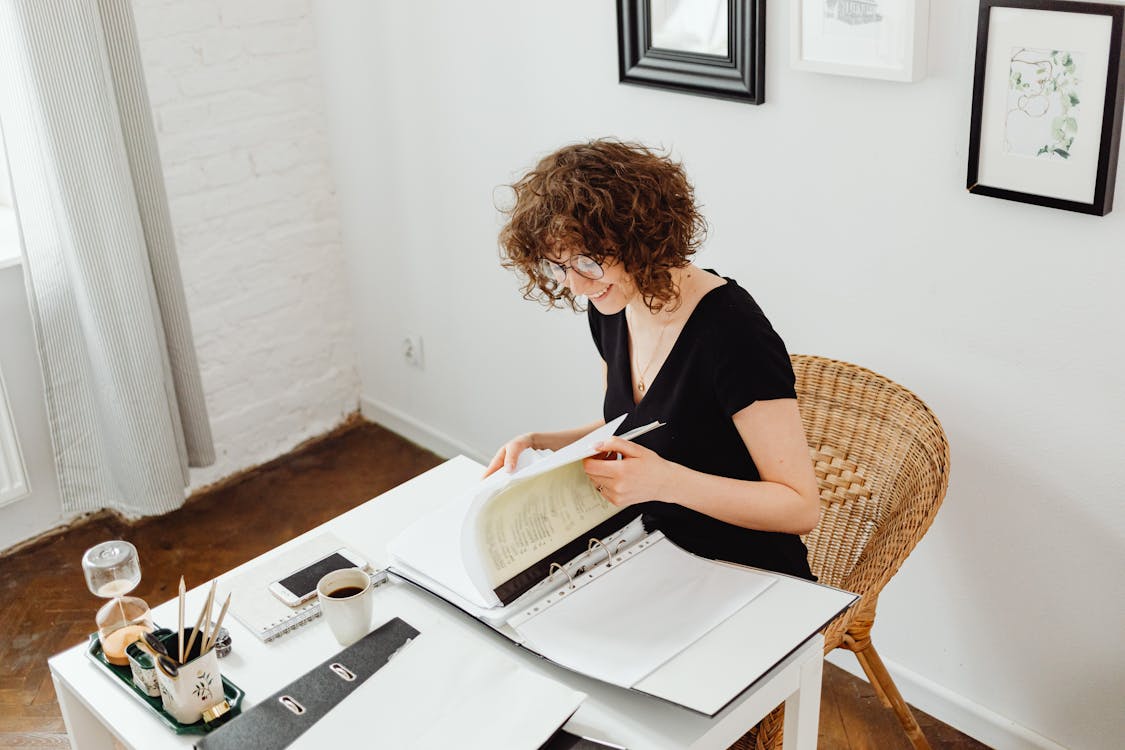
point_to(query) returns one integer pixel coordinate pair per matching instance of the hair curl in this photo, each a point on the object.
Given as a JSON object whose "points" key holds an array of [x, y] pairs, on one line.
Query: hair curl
{"points": [[605, 199]]}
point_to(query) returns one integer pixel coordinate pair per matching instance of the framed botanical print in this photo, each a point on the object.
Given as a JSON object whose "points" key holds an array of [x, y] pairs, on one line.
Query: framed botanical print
{"points": [[1047, 102]]}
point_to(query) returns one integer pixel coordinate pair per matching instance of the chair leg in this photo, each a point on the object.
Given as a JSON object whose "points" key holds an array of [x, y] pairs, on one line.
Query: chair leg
{"points": [[856, 647], [885, 687]]}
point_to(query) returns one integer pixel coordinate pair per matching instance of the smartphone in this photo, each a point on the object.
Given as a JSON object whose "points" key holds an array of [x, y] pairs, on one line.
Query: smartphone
{"points": [[300, 585]]}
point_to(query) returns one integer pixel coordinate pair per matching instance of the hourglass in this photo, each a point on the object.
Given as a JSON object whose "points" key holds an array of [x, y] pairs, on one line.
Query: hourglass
{"points": [[112, 571]]}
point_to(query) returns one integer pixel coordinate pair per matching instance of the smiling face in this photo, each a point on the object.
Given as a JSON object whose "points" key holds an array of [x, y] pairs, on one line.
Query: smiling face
{"points": [[609, 198], [609, 294]]}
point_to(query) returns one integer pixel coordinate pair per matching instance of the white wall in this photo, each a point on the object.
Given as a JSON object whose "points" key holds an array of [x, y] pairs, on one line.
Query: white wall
{"points": [[236, 97], [841, 204]]}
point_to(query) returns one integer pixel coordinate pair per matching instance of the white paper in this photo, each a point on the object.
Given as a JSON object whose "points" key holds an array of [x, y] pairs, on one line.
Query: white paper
{"points": [[641, 614], [444, 691], [442, 544], [525, 522], [431, 546]]}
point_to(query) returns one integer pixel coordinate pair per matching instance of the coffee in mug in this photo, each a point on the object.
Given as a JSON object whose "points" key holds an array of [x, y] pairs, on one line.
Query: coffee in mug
{"points": [[345, 601], [345, 592]]}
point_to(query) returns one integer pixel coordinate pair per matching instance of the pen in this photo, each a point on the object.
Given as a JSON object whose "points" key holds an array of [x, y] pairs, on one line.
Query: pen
{"points": [[634, 433], [638, 431]]}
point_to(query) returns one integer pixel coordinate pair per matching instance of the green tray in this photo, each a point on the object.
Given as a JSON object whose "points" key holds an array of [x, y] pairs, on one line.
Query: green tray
{"points": [[124, 675]]}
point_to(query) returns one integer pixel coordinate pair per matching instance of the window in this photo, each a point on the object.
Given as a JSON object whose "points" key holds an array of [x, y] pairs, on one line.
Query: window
{"points": [[9, 233], [5, 183], [13, 475]]}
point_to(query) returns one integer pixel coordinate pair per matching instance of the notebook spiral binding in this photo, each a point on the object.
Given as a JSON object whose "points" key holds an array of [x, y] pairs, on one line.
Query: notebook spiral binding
{"points": [[300, 617]]}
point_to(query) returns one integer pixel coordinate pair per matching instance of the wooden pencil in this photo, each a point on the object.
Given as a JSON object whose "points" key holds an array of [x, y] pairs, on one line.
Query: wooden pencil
{"points": [[183, 590], [218, 623]]}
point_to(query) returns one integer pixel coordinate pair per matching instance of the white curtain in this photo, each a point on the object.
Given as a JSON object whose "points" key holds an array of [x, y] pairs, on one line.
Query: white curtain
{"points": [[123, 388]]}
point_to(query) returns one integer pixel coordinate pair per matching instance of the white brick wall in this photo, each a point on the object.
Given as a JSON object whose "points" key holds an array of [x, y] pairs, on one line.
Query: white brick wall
{"points": [[237, 103]]}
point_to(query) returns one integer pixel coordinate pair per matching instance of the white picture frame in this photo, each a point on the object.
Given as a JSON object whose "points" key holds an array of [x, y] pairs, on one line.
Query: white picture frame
{"points": [[883, 39]]}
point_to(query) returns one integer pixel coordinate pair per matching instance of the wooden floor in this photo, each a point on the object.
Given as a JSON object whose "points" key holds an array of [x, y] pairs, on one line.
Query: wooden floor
{"points": [[45, 607]]}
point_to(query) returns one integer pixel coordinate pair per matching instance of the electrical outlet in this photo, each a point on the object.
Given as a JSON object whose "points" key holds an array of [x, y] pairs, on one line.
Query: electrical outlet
{"points": [[412, 351]]}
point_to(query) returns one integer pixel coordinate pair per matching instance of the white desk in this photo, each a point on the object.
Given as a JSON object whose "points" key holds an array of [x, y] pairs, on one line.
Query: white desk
{"points": [[99, 713]]}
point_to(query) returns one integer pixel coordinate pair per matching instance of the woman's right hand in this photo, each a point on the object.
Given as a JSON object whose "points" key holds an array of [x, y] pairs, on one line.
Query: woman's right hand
{"points": [[509, 453]]}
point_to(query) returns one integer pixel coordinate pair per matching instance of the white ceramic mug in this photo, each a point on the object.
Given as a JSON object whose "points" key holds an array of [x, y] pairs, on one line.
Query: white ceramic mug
{"points": [[348, 616]]}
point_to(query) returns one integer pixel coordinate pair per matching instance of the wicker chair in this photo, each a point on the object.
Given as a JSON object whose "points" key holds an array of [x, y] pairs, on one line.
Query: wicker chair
{"points": [[882, 462]]}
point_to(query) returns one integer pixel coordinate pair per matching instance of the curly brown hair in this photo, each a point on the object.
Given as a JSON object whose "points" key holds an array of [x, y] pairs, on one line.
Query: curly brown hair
{"points": [[605, 199]]}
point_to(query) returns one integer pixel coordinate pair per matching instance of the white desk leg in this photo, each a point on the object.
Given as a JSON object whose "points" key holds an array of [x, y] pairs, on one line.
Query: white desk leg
{"points": [[82, 727], [802, 708]]}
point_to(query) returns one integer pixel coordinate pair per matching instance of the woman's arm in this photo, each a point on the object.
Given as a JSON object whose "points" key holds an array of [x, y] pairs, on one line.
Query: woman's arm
{"points": [[786, 499], [509, 452]]}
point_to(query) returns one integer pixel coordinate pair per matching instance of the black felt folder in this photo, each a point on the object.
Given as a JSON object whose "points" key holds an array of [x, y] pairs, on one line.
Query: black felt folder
{"points": [[279, 720]]}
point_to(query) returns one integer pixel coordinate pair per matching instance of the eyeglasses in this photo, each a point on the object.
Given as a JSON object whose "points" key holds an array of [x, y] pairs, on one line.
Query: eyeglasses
{"points": [[580, 264]]}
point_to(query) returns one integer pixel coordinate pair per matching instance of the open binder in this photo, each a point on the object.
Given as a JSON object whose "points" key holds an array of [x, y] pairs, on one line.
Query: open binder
{"points": [[540, 557]]}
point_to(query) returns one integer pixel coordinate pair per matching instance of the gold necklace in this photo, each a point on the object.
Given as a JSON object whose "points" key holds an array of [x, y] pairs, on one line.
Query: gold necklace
{"points": [[655, 351]]}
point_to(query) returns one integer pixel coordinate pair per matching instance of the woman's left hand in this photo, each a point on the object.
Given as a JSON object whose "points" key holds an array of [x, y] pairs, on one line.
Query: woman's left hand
{"points": [[641, 474]]}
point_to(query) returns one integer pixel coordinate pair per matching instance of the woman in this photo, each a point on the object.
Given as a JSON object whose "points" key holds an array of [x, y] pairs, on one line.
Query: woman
{"points": [[728, 477]]}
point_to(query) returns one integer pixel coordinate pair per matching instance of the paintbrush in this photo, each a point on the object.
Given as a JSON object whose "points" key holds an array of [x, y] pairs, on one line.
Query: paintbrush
{"points": [[181, 632], [205, 612], [218, 624]]}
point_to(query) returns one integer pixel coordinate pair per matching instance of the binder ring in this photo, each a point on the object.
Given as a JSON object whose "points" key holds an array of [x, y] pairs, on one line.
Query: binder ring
{"points": [[551, 573], [596, 541]]}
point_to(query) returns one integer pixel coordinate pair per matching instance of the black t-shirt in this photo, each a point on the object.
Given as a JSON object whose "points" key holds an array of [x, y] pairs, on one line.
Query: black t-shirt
{"points": [[727, 357]]}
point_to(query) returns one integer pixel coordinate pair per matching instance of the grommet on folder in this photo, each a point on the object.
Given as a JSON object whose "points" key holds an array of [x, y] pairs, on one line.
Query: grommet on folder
{"points": [[291, 704], [342, 672], [279, 719]]}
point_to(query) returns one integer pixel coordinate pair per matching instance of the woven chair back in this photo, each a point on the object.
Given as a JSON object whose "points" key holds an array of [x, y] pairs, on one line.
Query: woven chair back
{"points": [[882, 463]]}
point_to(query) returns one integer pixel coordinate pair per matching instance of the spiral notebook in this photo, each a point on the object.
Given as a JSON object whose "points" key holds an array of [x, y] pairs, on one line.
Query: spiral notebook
{"points": [[261, 612]]}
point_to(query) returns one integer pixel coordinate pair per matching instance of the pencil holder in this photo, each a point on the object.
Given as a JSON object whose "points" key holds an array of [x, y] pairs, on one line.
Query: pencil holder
{"points": [[143, 669], [197, 686]]}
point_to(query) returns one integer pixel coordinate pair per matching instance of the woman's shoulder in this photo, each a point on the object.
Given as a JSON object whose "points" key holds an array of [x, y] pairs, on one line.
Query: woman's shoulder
{"points": [[731, 321], [731, 304], [747, 358]]}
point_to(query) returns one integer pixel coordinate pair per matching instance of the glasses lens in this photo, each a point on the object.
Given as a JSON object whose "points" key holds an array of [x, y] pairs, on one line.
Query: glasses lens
{"points": [[588, 267], [552, 271]]}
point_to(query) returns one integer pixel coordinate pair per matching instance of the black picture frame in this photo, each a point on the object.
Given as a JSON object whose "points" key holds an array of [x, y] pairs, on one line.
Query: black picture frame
{"points": [[739, 76], [1110, 132]]}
